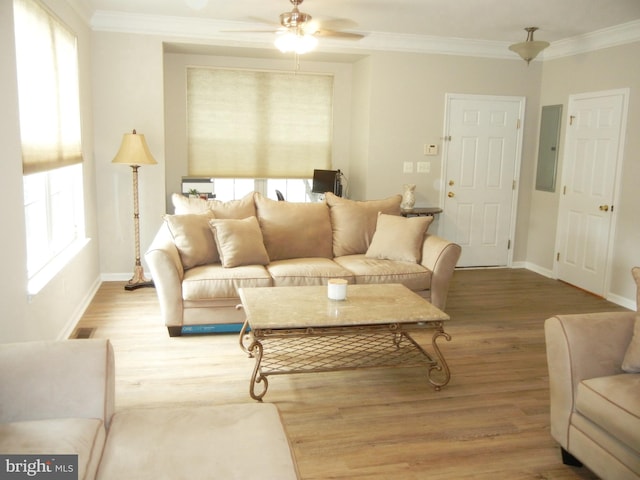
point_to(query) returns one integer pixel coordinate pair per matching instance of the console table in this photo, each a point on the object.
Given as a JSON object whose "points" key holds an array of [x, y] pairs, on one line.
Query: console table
{"points": [[421, 212]]}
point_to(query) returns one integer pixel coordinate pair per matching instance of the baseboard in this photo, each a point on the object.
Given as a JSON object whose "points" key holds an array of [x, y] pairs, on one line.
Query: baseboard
{"points": [[623, 302], [75, 318], [545, 272], [115, 277]]}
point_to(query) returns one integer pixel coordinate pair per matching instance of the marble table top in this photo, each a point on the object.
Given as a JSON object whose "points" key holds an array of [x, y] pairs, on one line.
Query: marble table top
{"points": [[302, 307]]}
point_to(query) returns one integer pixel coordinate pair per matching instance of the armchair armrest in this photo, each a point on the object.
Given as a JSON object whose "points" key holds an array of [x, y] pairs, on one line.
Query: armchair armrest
{"points": [[440, 256], [57, 379], [580, 347], [167, 273]]}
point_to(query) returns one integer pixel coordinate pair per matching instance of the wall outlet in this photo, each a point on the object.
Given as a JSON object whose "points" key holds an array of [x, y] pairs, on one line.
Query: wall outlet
{"points": [[407, 167], [424, 167]]}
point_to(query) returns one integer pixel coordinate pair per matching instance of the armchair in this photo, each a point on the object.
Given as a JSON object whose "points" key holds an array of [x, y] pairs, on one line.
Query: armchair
{"points": [[594, 404]]}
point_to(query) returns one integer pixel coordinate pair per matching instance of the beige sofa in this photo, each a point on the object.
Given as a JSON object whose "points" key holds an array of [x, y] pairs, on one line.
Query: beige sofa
{"points": [[594, 374], [57, 398], [208, 249]]}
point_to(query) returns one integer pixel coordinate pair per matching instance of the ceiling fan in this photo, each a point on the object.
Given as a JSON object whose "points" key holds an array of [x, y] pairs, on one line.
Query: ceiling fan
{"points": [[298, 31]]}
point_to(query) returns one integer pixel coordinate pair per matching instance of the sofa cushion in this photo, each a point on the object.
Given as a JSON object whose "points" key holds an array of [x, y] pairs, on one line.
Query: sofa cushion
{"points": [[354, 222], [193, 238], [631, 360], [306, 272], [612, 403], [215, 281], [372, 270], [197, 442], [241, 208], [294, 230], [84, 437], [398, 238], [239, 242]]}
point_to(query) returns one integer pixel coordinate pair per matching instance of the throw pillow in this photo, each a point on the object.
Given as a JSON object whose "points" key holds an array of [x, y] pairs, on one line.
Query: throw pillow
{"points": [[294, 230], [354, 222], [631, 361], [183, 205], [399, 238], [193, 238], [239, 242], [241, 208]]}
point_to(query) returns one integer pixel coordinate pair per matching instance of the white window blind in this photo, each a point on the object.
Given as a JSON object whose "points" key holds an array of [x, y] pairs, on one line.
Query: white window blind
{"points": [[47, 65], [254, 124]]}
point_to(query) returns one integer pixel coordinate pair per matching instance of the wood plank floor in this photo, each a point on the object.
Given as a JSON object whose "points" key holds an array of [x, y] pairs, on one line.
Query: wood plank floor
{"points": [[490, 422]]}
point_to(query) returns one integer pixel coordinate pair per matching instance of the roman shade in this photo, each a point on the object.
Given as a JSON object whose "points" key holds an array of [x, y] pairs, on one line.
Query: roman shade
{"points": [[257, 124], [47, 65]]}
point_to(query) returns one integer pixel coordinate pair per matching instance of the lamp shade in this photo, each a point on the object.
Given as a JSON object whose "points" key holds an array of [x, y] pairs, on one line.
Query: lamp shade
{"points": [[530, 48], [134, 151], [295, 42]]}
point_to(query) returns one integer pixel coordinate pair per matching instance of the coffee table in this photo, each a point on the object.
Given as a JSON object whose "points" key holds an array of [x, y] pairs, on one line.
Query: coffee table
{"points": [[299, 330]]}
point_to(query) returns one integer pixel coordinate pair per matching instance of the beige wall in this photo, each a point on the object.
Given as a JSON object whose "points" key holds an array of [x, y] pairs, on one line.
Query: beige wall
{"points": [[607, 69], [53, 312], [128, 87], [407, 103]]}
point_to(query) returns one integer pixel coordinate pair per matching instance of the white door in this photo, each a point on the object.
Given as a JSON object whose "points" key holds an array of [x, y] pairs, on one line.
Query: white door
{"points": [[595, 131], [481, 166]]}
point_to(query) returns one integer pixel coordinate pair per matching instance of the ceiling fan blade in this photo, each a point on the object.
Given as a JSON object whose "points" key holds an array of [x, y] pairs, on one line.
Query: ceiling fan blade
{"points": [[338, 24], [332, 33], [250, 31]]}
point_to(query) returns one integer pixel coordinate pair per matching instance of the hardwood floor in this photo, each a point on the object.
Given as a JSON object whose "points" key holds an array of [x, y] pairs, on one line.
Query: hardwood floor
{"points": [[490, 422]]}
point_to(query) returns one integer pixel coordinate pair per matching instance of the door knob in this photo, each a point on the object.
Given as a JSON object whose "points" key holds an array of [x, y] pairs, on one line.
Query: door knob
{"points": [[451, 194], [604, 208], [451, 182]]}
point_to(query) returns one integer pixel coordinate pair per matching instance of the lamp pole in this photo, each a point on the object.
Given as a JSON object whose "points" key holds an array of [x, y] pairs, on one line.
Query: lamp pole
{"points": [[138, 280]]}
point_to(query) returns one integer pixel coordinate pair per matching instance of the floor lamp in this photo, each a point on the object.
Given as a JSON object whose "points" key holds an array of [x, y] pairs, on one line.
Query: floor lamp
{"points": [[135, 152]]}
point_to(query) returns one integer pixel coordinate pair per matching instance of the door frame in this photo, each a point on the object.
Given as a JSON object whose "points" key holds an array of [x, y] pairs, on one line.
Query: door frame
{"points": [[625, 92], [448, 98]]}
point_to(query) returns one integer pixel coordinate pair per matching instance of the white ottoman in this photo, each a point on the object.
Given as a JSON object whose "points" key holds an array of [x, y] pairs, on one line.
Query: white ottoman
{"points": [[195, 443]]}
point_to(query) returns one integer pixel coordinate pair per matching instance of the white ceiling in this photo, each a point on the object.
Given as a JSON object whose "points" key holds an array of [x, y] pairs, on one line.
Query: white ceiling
{"points": [[485, 22]]}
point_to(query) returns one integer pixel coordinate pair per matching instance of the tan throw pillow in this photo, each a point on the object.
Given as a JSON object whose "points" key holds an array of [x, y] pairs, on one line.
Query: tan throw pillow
{"points": [[242, 208], [193, 238], [183, 205], [631, 361], [239, 242], [399, 238], [354, 222], [294, 230]]}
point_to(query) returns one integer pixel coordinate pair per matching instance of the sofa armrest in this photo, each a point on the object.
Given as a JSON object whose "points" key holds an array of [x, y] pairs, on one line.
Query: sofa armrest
{"points": [[579, 347], [440, 256], [167, 273], [57, 379]]}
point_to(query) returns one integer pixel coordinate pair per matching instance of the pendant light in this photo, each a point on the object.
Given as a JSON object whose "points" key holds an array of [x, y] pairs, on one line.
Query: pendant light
{"points": [[530, 48]]}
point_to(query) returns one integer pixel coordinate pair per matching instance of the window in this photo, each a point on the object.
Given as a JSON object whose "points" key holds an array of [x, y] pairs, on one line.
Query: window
{"points": [[293, 189], [48, 96], [252, 124]]}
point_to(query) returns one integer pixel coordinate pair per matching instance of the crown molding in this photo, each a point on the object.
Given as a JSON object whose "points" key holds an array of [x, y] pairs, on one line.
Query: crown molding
{"points": [[608, 37], [220, 33]]}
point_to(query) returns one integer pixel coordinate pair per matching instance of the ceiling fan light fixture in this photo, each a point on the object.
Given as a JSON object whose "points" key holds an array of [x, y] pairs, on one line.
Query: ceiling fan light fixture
{"points": [[295, 42], [530, 48]]}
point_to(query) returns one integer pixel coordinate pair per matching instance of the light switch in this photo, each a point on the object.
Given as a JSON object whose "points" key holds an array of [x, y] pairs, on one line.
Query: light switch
{"points": [[407, 167], [424, 167], [430, 149]]}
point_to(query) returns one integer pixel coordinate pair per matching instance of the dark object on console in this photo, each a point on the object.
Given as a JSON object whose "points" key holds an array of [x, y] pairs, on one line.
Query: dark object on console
{"points": [[280, 196], [327, 181]]}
